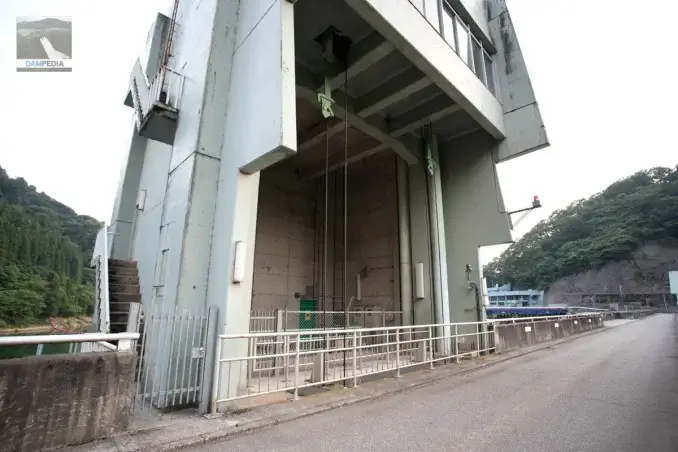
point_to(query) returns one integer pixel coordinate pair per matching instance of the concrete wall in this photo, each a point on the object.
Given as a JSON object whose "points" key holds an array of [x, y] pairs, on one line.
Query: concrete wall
{"points": [[58, 400], [373, 232], [523, 334], [122, 218], [283, 259], [472, 206], [524, 127], [477, 9], [291, 216], [147, 248]]}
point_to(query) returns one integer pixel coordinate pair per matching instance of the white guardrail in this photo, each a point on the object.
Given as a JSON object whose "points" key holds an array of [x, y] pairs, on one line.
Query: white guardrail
{"points": [[255, 364], [101, 254], [100, 341]]}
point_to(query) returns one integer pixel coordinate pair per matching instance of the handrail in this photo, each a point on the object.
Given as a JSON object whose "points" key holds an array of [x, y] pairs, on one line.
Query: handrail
{"points": [[406, 327], [124, 340], [102, 250], [65, 338]]}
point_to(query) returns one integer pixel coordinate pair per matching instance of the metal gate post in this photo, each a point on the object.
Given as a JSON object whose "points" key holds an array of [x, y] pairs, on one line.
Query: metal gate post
{"points": [[208, 385]]}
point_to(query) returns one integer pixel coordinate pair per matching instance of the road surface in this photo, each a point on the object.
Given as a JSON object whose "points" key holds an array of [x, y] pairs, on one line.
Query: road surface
{"points": [[615, 391]]}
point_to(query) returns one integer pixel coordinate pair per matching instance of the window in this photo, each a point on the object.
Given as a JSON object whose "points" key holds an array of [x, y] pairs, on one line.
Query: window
{"points": [[448, 28], [431, 13], [462, 40], [478, 59], [419, 4], [489, 74]]}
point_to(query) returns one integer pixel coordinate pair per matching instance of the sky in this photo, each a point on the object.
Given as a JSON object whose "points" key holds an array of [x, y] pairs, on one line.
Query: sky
{"points": [[600, 71]]}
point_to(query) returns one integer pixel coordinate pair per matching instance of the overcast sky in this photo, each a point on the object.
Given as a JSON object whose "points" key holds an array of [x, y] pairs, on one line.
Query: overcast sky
{"points": [[600, 70]]}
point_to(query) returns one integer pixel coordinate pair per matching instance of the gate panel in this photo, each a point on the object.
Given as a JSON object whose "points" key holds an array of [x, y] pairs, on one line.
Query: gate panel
{"points": [[172, 359]]}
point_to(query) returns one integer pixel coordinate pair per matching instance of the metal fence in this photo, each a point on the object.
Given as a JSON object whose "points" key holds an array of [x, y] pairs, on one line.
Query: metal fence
{"points": [[274, 320], [615, 301], [264, 363], [172, 355], [283, 320]]}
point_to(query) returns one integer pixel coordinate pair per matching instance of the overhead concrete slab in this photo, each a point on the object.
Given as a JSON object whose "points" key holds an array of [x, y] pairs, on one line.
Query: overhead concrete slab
{"points": [[401, 23]]}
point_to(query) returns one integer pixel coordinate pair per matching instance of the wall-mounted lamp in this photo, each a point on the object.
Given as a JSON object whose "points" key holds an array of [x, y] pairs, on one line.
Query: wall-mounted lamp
{"points": [[239, 262]]}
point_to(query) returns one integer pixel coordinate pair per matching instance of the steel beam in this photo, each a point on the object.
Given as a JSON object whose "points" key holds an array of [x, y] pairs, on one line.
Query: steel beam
{"points": [[374, 126]]}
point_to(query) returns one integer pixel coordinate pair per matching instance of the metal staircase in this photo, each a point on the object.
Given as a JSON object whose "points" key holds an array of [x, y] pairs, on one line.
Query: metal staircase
{"points": [[155, 102]]}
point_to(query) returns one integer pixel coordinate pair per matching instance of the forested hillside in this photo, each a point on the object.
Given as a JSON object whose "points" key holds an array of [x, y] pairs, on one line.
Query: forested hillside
{"points": [[45, 249], [590, 233]]}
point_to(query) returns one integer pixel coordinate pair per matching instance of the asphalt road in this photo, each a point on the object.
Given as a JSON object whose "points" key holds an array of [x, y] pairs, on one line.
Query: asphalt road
{"points": [[614, 391]]}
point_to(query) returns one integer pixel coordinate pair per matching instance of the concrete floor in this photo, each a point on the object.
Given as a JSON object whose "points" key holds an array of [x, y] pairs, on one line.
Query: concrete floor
{"points": [[615, 391]]}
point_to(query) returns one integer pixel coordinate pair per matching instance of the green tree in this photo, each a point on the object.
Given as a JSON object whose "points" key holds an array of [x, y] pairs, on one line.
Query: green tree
{"points": [[44, 247], [590, 233]]}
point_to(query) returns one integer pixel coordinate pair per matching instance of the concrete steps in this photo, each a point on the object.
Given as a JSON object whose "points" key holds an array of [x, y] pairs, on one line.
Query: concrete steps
{"points": [[123, 288]]}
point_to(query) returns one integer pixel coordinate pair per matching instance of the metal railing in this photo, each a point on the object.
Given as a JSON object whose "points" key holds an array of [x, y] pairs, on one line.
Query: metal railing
{"points": [[125, 341], [274, 320], [102, 251], [255, 364], [166, 88]]}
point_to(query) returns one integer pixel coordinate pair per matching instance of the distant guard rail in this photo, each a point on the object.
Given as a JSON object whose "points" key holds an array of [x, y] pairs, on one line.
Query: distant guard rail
{"points": [[100, 341], [256, 364]]}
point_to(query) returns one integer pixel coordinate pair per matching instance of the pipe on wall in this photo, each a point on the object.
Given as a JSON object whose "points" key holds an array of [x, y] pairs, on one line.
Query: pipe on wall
{"points": [[437, 245], [404, 244]]}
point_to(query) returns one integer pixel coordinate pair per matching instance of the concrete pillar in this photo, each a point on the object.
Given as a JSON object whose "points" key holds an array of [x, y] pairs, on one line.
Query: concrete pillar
{"points": [[257, 100], [420, 239], [438, 243], [404, 242], [124, 206], [474, 216]]}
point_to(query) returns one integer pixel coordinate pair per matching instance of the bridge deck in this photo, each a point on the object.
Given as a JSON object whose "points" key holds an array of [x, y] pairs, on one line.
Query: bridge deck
{"points": [[612, 391]]}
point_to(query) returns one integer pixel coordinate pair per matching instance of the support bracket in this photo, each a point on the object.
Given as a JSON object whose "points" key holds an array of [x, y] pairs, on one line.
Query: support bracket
{"points": [[325, 99]]}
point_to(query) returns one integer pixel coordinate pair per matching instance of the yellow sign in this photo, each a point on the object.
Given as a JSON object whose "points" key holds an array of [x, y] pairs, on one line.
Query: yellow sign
{"points": [[307, 316]]}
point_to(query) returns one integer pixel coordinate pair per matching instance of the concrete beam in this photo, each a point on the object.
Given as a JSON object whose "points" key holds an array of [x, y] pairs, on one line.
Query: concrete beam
{"points": [[354, 159], [316, 135], [374, 126], [362, 55], [391, 92], [424, 114], [442, 140]]}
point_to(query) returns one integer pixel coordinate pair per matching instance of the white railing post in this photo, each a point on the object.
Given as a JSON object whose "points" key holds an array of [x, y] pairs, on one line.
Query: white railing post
{"points": [[296, 368], [430, 344], [286, 358], [355, 358], [124, 345], [456, 344], [278, 340], [398, 352], [215, 377]]}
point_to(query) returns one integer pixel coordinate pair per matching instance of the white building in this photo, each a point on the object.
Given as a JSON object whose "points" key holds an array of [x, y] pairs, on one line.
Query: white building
{"points": [[233, 192]]}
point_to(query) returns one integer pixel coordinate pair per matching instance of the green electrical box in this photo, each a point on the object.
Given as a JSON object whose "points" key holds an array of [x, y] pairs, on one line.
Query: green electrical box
{"points": [[307, 316]]}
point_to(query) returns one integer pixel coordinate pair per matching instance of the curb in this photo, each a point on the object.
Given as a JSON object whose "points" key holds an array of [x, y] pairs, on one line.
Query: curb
{"points": [[248, 427]]}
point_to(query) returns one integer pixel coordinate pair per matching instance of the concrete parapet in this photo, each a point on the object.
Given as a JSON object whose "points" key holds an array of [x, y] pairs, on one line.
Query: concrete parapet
{"points": [[52, 401], [521, 334]]}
